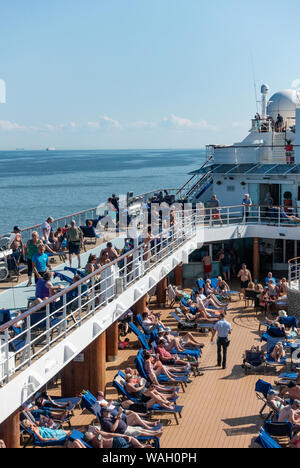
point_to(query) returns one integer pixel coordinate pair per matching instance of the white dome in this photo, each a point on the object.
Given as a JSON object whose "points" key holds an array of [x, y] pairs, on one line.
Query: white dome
{"points": [[284, 103]]}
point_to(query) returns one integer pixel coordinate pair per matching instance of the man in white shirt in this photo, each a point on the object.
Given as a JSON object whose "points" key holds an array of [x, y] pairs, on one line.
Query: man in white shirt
{"points": [[223, 329]]}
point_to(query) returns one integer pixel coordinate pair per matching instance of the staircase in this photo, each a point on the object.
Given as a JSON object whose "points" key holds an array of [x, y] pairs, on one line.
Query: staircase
{"points": [[278, 152], [196, 185]]}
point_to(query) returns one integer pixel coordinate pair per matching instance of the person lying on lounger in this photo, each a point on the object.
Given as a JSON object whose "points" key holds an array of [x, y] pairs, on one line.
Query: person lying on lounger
{"points": [[45, 434], [116, 424], [154, 367], [210, 300], [195, 314], [149, 396], [133, 413], [164, 390], [180, 343], [101, 439]]}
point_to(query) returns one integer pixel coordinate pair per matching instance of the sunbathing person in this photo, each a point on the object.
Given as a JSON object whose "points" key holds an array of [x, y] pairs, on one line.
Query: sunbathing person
{"points": [[211, 299], [171, 359], [37, 411], [180, 343], [163, 389], [285, 217], [278, 352], [291, 413], [180, 294], [275, 401], [154, 367], [150, 323], [44, 400], [196, 314], [133, 413], [101, 439], [45, 434], [222, 287], [149, 396], [116, 424], [292, 390]]}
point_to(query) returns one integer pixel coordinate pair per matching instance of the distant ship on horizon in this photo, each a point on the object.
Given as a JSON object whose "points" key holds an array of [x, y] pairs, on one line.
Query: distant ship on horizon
{"points": [[50, 149]]}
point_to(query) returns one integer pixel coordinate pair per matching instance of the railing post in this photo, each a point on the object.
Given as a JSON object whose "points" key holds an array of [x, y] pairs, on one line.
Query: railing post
{"points": [[259, 214], [6, 362], [93, 295], [28, 338], [65, 314], [279, 216], [79, 304], [48, 326]]}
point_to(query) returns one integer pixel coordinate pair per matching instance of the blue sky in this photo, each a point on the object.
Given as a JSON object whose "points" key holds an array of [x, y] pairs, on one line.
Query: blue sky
{"points": [[140, 73]]}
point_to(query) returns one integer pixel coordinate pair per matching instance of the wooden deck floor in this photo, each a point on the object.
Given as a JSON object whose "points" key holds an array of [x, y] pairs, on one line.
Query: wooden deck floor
{"points": [[220, 408]]}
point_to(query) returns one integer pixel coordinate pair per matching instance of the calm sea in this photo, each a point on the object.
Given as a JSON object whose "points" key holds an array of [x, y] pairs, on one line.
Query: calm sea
{"points": [[38, 184]]}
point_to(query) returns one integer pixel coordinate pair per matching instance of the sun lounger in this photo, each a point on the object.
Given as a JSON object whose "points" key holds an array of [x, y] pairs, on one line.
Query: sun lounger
{"points": [[119, 384]]}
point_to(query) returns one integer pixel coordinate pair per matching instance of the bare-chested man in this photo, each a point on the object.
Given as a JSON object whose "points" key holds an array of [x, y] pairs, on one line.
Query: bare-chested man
{"points": [[245, 277]]}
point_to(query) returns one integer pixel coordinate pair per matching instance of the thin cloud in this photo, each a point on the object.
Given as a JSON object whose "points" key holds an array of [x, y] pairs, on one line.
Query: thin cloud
{"points": [[296, 84], [187, 124], [8, 126]]}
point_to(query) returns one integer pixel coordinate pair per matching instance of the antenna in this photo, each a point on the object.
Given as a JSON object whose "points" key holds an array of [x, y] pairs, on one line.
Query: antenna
{"points": [[254, 80]]}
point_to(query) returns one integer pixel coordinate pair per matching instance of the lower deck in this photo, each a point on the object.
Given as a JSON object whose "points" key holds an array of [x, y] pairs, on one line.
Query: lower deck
{"points": [[220, 409]]}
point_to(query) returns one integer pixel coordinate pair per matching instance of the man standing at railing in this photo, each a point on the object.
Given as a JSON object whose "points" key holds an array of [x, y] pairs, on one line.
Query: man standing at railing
{"points": [[74, 238], [215, 207], [247, 203]]}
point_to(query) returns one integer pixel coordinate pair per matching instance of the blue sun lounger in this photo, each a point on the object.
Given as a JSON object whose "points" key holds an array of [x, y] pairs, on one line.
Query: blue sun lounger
{"points": [[145, 344], [181, 379], [118, 383]]}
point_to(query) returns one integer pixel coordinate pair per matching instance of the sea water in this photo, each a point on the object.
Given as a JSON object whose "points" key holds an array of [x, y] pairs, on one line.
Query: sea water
{"points": [[38, 184]]}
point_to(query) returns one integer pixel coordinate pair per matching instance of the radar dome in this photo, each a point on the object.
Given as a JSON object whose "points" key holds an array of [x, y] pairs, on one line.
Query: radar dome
{"points": [[284, 103]]}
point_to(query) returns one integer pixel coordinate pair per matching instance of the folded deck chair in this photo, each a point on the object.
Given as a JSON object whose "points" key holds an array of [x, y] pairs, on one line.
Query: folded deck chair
{"points": [[262, 389], [266, 441], [119, 384], [282, 432], [253, 361]]}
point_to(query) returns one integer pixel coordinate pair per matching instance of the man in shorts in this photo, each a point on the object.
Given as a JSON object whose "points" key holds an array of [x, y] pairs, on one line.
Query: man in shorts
{"points": [[74, 238], [207, 265]]}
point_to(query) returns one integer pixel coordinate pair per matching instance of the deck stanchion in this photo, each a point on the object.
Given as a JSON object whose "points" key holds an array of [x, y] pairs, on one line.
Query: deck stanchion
{"points": [[10, 430], [112, 341], [162, 292], [178, 275], [87, 371], [256, 260]]}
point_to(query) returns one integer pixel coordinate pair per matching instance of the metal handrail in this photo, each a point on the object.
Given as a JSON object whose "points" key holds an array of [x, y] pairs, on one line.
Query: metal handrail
{"points": [[57, 220]]}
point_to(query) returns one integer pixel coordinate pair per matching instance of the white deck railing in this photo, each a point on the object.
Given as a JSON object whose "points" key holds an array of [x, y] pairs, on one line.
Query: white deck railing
{"points": [[30, 335]]}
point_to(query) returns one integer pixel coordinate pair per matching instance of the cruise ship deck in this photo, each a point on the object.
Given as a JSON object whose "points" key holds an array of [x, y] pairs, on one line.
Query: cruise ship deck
{"points": [[220, 409]]}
